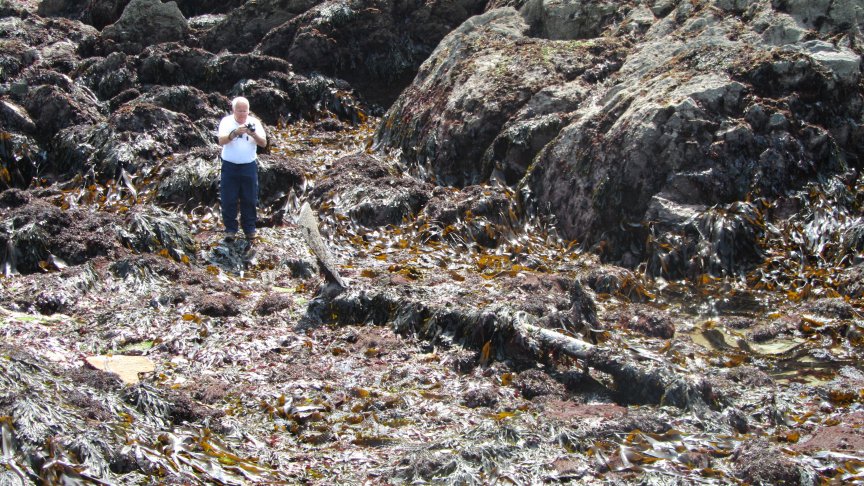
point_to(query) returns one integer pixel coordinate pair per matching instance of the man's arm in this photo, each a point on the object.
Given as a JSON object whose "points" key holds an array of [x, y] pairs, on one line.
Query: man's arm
{"points": [[230, 136], [224, 139], [223, 134]]}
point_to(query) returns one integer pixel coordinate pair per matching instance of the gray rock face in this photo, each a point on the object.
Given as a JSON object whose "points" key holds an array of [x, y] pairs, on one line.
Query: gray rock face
{"points": [[376, 45], [244, 27], [704, 110], [147, 22], [485, 75], [824, 15], [98, 13], [568, 19]]}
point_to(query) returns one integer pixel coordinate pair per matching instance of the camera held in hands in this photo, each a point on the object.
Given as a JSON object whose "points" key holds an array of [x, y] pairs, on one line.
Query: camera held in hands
{"points": [[250, 127]]}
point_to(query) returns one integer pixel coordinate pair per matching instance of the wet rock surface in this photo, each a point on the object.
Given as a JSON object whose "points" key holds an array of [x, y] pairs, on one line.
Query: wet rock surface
{"points": [[711, 149]]}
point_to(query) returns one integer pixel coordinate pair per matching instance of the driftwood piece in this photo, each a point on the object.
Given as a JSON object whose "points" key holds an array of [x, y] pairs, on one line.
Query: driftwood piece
{"points": [[309, 224], [639, 376]]}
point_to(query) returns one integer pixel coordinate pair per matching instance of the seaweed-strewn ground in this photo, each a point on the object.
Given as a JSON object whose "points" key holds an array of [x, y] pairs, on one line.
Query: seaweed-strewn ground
{"points": [[260, 374]]}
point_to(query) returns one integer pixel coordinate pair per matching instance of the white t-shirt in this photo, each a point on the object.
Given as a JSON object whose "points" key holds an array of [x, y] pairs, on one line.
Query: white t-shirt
{"points": [[243, 149]]}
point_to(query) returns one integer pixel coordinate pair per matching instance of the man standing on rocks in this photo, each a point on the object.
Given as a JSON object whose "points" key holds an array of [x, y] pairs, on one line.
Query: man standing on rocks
{"points": [[240, 134]]}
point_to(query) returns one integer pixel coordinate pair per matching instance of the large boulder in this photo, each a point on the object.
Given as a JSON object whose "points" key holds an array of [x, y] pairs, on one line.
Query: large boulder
{"points": [[53, 101], [824, 16], [369, 192], [697, 122], [485, 88], [242, 28], [194, 103], [280, 97], [376, 45], [108, 76], [714, 105], [569, 19], [146, 22], [97, 13], [136, 137], [225, 71], [174, 63]]}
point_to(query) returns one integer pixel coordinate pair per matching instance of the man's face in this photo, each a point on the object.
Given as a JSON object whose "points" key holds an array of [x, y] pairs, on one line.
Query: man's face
{"points": [[241, 111]]}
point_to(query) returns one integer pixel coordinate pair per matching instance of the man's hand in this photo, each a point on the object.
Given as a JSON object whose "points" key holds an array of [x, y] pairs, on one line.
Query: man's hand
{"points": [[241, 130]]}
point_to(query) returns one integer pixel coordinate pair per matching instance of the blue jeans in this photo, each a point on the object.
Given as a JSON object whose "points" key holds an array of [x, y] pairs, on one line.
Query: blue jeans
{"points": [[239, 186]]}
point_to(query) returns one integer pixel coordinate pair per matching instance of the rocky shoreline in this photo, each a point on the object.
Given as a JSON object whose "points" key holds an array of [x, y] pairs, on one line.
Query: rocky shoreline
{"points": [[590, 241]]}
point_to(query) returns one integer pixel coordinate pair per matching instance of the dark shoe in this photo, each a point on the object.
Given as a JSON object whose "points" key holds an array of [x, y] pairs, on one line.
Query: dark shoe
{"points": [[248, 249], [228, 239]]}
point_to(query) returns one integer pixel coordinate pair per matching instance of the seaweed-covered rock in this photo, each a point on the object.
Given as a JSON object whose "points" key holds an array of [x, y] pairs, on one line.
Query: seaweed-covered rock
{"points": [[758, 462], [480, 397], [369, 192], [244, 27], [833, 308], [685, 137], [108, 76], [478, 78], [217, 305], [137, 136], [21, 160], [534, 383], [173, 63], [192, 181], [649, 322], [12, 198], [154, 229], [146, 22], [272, 303], [15, 118], [483, 215], [617, 281], [376, 45], [853, 281], [692, 241], [38, 235], [224, 71], [59, 103]]}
